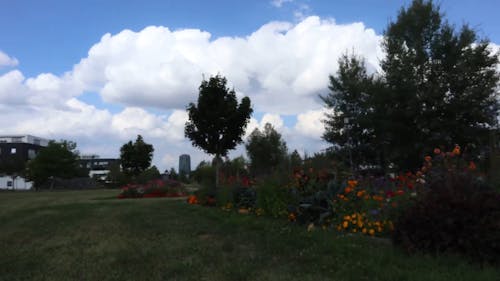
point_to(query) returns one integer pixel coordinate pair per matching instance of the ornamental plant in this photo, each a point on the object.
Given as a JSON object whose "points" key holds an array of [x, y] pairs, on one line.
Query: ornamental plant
{"points": [[457, 211], [153, 188]]}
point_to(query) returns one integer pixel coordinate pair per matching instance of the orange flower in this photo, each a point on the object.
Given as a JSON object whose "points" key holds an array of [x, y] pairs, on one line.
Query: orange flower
{"points": [[371, 231], [192, 199], [437, 151], [345, 224], [352, 183], [456, 150], [472, 166], [378, 198], [347, 189], [360, 193], [428, 158], [291, 217]]}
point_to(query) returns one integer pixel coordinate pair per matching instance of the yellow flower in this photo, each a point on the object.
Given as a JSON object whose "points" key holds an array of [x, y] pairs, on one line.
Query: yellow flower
{"points": [[347, 218], [360, 224], [379, 229], [345, 224], [371, 231], [310, 227], [364, 230]]}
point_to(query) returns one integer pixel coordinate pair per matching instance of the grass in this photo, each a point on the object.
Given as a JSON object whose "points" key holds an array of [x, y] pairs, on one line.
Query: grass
{"points": [[89, 235]]}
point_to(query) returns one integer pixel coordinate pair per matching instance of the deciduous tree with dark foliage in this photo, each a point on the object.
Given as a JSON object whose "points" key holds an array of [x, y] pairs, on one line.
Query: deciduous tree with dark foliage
{"points": [[217, 122], [266, 150], [135, 157], [58, 159]]}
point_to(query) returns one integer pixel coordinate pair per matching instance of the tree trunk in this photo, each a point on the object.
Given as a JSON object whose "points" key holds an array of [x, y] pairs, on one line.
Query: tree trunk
{"points": [[217, 166]]}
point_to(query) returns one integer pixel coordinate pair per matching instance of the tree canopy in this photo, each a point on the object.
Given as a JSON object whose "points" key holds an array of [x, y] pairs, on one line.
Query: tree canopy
{"points": [[438, 87], [58, 159], [135, 157], [266, 150], [217, 122]]}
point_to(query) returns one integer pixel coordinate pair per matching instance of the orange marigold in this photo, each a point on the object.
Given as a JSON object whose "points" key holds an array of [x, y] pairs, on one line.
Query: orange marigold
{"points": [[456, 150]]}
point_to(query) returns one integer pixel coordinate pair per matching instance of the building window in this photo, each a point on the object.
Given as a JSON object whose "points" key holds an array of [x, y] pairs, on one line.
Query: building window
{"points": [[31, 153], [13, 151], [36, 141], [9, 183]]}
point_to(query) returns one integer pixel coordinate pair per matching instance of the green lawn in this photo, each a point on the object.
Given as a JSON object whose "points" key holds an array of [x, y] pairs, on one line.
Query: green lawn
{"points": [[89, 235]]}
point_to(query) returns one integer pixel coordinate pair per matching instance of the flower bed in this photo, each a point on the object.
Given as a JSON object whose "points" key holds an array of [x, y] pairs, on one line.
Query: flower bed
{"points": [[153, 189]]}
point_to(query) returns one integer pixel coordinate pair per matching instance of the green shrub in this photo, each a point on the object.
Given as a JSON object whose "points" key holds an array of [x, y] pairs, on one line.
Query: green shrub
{"points": [[273, 199]]}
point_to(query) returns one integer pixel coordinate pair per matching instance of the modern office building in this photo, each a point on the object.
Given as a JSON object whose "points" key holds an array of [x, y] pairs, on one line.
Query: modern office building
{"points": [[184, 164], [15, 151], [98, 167], [20, 147]]}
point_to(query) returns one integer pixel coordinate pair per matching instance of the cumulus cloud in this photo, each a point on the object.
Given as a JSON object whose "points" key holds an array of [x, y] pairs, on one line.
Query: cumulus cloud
{"points": [[281, 66], [310, 123], [6, 60]]}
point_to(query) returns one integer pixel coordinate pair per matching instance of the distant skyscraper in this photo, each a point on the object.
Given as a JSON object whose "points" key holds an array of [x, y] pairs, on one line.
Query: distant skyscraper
{"points": [[184, 164]]}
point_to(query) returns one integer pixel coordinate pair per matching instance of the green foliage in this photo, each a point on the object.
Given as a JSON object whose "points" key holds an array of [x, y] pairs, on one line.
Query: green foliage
{"points": [[295, 160], [273, 198], [437, 86], [266, 150], [135, 157], [204, 174], [148, 175], [58, 159], [217, 122], [348, 124], [116, 177]]}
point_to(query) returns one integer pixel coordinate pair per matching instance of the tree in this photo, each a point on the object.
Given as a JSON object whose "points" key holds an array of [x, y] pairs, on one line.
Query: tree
{"points": [[266, 150], [348, 125], [295, 160], [437, 87], [135, 157], [217, 122], [149, 174], [58, 159]]}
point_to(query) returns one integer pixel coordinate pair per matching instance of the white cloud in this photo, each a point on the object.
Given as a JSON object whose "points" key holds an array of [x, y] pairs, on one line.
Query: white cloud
{"points": [[6, 60], [281, 66], [310, 124], [279, 3]]}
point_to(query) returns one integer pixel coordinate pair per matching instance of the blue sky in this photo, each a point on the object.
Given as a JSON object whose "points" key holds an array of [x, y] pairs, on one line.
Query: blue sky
{"points": [[50, 64]]}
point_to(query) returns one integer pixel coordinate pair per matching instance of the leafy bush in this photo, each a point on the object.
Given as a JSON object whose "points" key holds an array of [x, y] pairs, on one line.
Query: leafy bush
{"points": [[273, 199], [244, 197], [456, 213]]}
